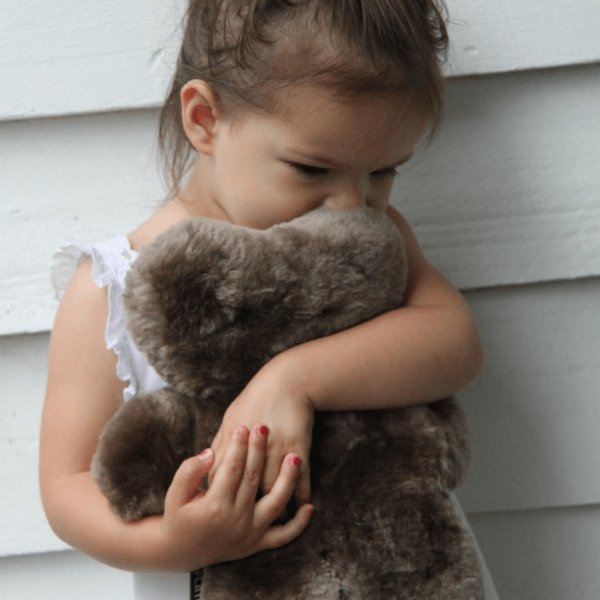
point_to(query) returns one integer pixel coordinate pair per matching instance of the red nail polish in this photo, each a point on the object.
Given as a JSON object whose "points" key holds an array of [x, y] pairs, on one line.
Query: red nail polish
{"points": [[296, 461], [263, 430]]}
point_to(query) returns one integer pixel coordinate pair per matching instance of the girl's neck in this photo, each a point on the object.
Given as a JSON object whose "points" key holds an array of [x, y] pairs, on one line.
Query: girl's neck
{"points": [[195, 198]]}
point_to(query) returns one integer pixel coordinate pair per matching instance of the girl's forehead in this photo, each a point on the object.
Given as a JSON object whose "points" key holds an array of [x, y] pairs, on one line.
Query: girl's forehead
{"points": [[313, 117], [302, 100]]}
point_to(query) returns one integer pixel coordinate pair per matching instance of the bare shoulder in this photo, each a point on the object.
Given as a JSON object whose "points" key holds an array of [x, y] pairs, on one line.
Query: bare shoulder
{"points": [[166, 216]]}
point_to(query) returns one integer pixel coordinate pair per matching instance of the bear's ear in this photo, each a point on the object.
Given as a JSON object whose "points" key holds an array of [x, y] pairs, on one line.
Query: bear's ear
{"points": [[201, 112]]}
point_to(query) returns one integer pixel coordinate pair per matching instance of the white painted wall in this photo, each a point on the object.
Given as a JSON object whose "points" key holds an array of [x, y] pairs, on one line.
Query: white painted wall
{"points": [[506, 202]]}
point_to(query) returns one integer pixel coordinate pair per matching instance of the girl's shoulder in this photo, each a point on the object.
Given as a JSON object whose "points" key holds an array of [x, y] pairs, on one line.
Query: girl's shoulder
{"points": [[107, 262], [167, 215], [90, 281], [110, 259]]}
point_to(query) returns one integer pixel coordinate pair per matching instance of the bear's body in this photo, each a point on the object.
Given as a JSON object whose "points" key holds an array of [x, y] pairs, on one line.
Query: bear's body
{"points": [[209, 303]]}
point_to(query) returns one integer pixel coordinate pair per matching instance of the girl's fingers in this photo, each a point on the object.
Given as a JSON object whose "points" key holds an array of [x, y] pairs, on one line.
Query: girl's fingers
{"points": [[302, 494], [187, 479], [270, 506], [216, 446], [229, 475], [273, 465], [255, 463], [279, 535], [272, 469]]}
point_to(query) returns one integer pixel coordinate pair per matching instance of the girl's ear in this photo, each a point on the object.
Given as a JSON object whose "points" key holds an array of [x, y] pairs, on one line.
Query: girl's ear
{"points": [[200, 110]]}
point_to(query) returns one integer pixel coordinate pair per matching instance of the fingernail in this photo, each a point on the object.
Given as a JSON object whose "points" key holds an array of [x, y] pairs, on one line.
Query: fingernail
{"points": [[240, 433], [295, 460], [205, 455], [310, 510], [263, 430]]}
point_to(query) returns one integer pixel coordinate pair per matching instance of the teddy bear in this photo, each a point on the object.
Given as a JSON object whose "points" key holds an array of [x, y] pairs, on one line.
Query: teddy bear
{"points": [[209, 303]]}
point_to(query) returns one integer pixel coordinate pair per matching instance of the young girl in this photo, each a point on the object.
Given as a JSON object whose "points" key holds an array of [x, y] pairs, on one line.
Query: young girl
{"points": [[282, 106]]}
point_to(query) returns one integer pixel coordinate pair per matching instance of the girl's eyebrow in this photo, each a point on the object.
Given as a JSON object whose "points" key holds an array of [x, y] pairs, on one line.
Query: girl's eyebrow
{"points": [[321, 160]]}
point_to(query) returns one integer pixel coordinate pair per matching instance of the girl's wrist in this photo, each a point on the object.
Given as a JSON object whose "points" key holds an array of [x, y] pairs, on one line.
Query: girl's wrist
{"points": [[286, 376], [149, 543]]}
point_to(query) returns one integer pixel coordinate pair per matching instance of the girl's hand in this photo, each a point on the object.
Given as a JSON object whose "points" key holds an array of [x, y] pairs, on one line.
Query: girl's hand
{"points": [[290, 417], [226, 522]]}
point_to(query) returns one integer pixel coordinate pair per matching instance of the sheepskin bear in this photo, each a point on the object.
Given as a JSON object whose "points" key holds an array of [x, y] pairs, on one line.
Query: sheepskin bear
{"points": [[209, 303]]}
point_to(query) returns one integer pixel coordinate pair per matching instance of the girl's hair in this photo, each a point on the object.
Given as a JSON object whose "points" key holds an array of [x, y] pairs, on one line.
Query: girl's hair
{"points": [[247, 49]]}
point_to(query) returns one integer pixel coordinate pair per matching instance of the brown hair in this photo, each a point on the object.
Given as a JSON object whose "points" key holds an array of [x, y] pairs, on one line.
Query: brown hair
{"points": [[246, 49]]}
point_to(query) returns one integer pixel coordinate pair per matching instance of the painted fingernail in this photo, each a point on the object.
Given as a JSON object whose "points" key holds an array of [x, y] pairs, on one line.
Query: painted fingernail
{"points": [[263, 430], [205, 455], [295, 460]]}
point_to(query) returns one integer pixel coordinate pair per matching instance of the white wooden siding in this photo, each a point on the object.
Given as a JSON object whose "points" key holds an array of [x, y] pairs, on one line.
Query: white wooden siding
{"points": [[507, 199], [543, 554], [69, 57], [22, 370], [535, 410], [61, 576]]}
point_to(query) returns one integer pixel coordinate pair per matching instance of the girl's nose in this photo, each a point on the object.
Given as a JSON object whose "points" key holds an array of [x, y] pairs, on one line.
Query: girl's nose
{"points": [[349, 196]]}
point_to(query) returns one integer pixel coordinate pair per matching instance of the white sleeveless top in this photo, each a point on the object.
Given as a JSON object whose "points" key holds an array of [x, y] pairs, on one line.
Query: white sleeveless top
{"points": [[110, 262]]}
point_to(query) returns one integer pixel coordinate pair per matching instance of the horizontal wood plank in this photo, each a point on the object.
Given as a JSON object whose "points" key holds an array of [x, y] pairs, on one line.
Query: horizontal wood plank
{"points": [[65, 57], [509, 193], [65, 575], [23, 368], [95, 178], [493, 37], [542, 554], [534, 411]]}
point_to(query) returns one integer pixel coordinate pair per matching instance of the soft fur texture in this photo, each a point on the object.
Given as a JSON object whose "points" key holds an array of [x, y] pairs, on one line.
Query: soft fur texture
{"points": [[210, 303]]}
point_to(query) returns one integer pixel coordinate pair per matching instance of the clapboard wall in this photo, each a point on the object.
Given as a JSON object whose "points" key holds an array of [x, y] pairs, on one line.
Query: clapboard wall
{"points": [[506, 202]]}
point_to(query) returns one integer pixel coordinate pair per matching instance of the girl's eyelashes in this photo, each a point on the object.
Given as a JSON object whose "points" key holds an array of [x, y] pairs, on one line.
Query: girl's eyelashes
{"points": [[384, 173], [310, 170], [316, 172]]}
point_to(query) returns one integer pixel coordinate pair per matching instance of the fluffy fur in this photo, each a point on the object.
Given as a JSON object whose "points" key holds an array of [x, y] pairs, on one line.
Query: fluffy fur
{"points": [[209, 303]]}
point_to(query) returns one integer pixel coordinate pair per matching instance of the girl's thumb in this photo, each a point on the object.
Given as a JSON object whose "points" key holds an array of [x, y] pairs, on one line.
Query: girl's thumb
{"points": [[188, 480]]}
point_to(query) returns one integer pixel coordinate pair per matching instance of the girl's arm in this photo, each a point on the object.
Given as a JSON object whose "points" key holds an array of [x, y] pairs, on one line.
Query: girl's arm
{"points": [[83, 392], [424, 351]]}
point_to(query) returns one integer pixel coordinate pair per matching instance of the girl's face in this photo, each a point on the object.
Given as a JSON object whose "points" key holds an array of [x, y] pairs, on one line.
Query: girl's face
{"points": [[314, 150]]}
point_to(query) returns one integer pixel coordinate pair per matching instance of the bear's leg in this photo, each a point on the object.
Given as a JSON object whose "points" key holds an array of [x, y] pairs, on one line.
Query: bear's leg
{"points": [[140, 449]]}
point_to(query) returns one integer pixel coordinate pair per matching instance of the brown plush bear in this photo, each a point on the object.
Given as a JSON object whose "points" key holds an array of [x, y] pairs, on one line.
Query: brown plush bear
{"points": [[209, 303]]}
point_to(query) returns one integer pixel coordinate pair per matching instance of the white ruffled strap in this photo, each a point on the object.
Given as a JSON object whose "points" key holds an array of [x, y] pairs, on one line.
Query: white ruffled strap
{"points": [[64, 264], [110, 262]]}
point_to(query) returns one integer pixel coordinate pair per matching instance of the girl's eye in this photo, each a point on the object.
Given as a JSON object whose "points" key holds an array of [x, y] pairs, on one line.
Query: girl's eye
{"points": [[384, 173], [310, 170]]}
